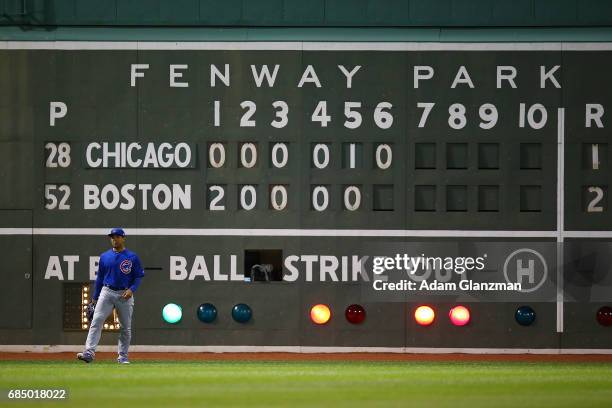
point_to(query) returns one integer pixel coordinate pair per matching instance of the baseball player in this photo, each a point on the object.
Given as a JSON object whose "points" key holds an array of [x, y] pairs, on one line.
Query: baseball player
{"points": [[119, 274]]}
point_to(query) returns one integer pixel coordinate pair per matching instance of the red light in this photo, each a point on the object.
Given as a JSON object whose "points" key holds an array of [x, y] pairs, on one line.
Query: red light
{"points": [[424, 315], [355, 314], [320, 314], [459, 315], [604, 316]]}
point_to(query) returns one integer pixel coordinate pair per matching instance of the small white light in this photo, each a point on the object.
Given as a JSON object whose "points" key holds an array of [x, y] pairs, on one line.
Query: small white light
{"points": [[106, 325], [85, 295], [84, 326], [84, 302], [84, 320], [85, 289], [111, 327]]}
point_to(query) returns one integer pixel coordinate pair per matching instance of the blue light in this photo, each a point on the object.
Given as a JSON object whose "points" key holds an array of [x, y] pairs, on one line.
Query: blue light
{"points": [[525, 315]]}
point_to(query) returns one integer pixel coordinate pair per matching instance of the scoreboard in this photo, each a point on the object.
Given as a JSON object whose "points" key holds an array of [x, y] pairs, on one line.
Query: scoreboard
{"points": [[215, 157]]}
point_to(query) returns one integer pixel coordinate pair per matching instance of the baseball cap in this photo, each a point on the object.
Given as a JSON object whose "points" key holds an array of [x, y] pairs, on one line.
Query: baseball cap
{"points": [[117, 231]]}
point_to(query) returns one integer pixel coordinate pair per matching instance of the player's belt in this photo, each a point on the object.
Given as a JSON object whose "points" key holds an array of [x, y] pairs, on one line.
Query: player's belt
{"points": [[114, 287]]}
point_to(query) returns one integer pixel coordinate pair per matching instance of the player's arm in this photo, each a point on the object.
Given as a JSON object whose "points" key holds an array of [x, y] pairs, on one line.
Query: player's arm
{"points": [[99, 281], [138, 274]]}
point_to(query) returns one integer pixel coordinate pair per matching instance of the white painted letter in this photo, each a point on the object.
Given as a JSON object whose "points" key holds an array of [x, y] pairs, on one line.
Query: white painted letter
{"points": [[57, 110], [594, 112], [309, 75], [507, 73], [422, 72], [135, 74], [265, 72], [349, 75], [178, 268], [71, 260], [54, 269], [462, 77], [215, 73], [544, 75], [174, 75]]}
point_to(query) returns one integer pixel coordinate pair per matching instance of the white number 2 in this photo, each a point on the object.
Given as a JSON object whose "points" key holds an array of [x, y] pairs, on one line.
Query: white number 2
{"points": [[246, 120], [593, 207]]}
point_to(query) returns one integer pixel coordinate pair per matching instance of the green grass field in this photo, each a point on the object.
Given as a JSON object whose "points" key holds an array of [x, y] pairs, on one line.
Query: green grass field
{"points": [[313, 384]]}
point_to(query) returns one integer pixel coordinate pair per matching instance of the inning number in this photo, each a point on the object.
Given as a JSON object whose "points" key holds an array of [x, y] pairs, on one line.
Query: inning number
{"points": [[246, 120], [456, 116]]}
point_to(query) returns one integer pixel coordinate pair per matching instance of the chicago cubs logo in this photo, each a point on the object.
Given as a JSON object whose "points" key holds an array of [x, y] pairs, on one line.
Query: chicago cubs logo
{"points": [[126, 266]]}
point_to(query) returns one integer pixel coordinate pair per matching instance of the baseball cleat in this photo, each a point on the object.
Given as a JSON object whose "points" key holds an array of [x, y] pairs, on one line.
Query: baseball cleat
{"points": [[123, 360], [86, 357]]}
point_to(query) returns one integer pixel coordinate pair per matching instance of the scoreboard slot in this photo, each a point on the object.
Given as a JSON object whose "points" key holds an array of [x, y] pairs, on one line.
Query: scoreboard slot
{"points": [[594, 156], [263, 265], [457, 156], [488, 156], [425, 198], [456, 198], [488, 198], [425, 156], [383, 197], [531, 156], [531, 198]]}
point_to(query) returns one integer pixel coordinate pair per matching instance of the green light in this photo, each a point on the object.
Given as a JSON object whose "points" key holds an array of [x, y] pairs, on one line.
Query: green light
{"points": [[172, 313]]}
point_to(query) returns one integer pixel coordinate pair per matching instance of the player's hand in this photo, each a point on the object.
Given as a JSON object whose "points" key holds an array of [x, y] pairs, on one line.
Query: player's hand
{"points": [[127, 294]]}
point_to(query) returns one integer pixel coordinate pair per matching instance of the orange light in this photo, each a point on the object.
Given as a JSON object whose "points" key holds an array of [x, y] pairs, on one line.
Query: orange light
{"points": [[320, 314], [459, 315], [424, 315]]}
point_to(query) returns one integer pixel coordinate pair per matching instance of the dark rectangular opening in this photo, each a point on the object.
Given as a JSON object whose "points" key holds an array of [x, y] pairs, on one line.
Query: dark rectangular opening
{"points": [[488, 156], [425, 156], [456, 198], [456, 156], [425, 198], [531, 156], [263, 265], [383, 197], [488, 198], [531, 198]]}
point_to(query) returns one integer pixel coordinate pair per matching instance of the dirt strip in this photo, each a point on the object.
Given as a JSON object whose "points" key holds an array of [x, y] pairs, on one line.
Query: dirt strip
{"points": [[398, 357]]}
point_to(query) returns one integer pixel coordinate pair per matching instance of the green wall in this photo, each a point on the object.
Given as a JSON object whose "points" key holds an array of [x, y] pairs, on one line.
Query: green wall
{"points": [[311, 13]]}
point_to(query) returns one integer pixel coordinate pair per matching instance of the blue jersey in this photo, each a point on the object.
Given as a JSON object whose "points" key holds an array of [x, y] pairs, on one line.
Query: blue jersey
{"points": [[118, 269]]}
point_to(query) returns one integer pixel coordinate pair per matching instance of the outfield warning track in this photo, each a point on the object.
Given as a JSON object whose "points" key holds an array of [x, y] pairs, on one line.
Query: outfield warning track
{"points": [[392, 357]]}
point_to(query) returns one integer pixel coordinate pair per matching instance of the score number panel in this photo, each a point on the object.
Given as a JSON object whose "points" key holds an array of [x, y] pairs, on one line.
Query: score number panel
{"points": [[408, 140]]}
